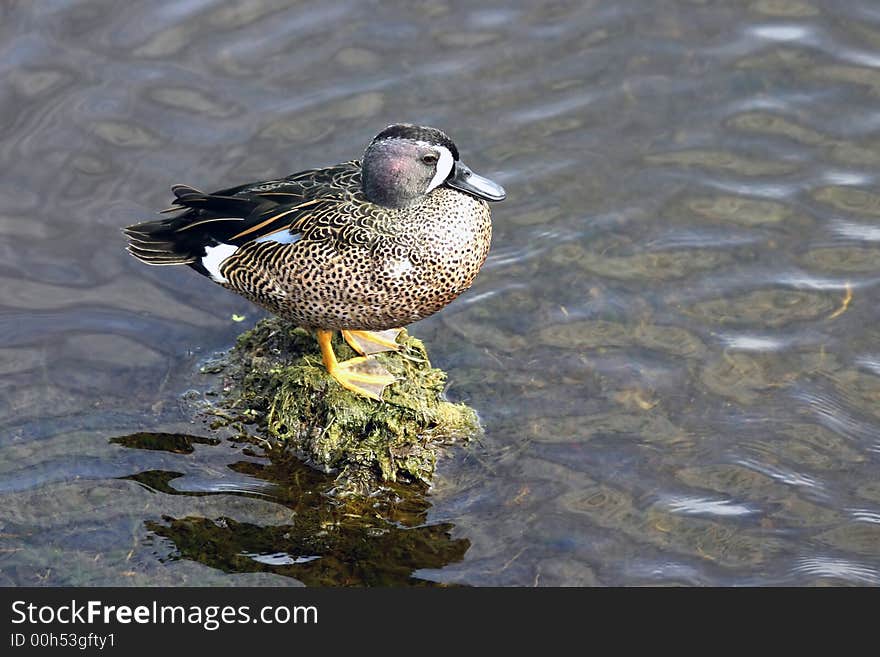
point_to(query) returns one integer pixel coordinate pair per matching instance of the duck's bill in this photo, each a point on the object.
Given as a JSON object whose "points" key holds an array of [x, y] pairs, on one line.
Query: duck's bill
{"points": [[465, 180]]}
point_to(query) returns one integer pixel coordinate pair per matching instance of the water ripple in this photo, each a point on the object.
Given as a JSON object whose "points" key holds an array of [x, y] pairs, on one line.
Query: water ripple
{"points": [[856, 231], [758, 343], [784, 32], [279, 558], [783, 475], [866, 515], [842, 569], [707, 506], [871, 363], [802, 280], [833, 414]]}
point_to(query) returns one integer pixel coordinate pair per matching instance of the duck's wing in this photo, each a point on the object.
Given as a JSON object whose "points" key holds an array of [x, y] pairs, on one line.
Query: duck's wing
{"points": [[221, 222], [339, 181]]}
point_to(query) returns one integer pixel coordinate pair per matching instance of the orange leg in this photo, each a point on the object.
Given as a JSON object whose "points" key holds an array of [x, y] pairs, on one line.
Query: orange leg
{"points": [[361, 375]]}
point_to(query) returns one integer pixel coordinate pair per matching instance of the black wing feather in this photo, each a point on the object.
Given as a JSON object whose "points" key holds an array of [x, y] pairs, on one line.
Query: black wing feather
{"points": [[236, 215]]}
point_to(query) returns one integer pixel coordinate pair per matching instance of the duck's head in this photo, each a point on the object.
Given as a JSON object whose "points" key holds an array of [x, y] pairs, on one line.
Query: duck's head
{"points": [[404, 163]]}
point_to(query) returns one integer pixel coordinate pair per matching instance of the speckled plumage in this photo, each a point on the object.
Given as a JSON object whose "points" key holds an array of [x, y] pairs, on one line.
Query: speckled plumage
{"points": [[313, 248], [358, 265]]}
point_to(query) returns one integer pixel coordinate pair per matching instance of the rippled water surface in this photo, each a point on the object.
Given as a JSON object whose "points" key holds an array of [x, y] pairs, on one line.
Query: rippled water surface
{"points": [[674, 345]]}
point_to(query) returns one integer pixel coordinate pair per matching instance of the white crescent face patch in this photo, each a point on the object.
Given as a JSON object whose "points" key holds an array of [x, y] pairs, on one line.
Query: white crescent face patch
{"points": [[444, 168]]}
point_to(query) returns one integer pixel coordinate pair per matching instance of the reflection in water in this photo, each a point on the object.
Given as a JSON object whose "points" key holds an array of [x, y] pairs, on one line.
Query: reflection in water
{"points": [[166, 442], [325, 540], [315, 553]]}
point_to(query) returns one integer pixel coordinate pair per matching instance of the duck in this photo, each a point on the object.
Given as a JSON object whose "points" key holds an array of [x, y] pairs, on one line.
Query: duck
{"points": [[364, 247]]}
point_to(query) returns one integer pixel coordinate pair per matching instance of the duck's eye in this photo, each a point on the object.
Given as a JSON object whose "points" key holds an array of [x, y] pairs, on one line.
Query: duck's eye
{"points": [[430, 158]]}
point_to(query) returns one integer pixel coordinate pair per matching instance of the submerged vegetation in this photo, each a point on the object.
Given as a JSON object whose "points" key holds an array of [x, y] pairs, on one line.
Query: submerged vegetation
{"points": [[277, 393]]}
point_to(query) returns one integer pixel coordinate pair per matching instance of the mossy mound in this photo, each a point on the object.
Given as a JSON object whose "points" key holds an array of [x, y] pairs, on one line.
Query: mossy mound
{"points": [[275, 380]]}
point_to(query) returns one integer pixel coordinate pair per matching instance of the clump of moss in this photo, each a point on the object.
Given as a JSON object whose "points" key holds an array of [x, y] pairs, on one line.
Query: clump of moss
{"points": [[275, 381]]}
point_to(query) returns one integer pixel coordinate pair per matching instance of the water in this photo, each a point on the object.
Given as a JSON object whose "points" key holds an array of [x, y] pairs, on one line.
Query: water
{"points": [[673, 345]]}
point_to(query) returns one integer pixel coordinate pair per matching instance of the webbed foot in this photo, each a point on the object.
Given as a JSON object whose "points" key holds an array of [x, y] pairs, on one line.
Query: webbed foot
{"points": [[372, 342], [361, 375]]}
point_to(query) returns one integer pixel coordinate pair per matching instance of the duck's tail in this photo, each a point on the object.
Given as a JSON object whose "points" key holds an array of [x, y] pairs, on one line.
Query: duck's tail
{"points": [[199, 236], [157, 243], [171, 241]]}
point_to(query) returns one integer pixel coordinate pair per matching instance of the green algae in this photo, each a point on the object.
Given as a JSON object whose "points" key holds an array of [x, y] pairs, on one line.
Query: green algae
{"points": [[278, 393]]}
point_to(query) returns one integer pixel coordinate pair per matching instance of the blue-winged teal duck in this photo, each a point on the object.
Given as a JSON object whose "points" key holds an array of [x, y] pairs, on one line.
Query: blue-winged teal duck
{"points": [[361, 247]]}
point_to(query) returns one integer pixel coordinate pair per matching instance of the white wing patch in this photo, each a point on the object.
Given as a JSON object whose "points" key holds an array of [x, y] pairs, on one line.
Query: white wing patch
{"points": [[215, 256], [444, 168]]}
